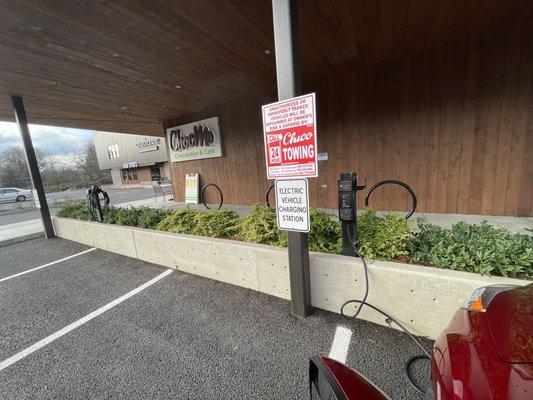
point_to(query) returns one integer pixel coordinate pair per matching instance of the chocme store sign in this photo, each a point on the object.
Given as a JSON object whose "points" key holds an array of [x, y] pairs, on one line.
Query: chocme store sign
{"points": [[194, 141]]}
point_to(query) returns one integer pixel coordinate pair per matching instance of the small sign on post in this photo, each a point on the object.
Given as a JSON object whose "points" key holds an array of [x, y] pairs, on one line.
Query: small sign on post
{"points": [[36, 198], [292, 204], [191, 188], [289, 128]]}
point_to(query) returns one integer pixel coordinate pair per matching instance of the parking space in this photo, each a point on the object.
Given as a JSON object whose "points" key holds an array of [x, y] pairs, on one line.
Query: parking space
{"points": [[99, 325]]}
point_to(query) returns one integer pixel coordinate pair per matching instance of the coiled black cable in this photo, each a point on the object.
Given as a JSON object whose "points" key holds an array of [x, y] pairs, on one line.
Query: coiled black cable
{"points": [[363, 302]]}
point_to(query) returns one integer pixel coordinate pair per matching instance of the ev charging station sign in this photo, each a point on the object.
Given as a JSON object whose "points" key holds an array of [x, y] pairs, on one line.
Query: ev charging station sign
{"points": [[292, 204], [289, 128]]}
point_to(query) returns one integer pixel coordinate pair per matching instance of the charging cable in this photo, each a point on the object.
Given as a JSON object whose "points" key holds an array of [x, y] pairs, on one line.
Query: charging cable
{"points": [[361, 303]]}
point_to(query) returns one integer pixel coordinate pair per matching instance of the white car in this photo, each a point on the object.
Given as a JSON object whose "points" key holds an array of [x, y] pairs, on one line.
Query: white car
{"points": [[14, 194]]}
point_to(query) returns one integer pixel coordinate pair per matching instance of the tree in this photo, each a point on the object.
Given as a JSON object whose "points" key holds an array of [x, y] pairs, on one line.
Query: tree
{"points": [[56, 174], [13, 167], [87, 165]]}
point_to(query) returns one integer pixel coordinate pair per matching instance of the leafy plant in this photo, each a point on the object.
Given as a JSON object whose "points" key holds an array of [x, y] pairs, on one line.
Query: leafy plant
{"points": [[217, 223], [325, 233], [181, 221], [75, 210], [384, 238], [479, 248], [150, 217], [122, 216], [260, 226]]}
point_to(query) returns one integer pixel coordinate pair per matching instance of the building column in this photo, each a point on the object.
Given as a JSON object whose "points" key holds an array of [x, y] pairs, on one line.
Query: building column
{"points": [[33, 167], [289, 85]]}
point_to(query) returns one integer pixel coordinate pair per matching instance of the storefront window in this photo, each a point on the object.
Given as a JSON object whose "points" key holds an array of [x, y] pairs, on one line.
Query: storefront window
{"points": [[130, 174], [155, 173], [112, 151]]}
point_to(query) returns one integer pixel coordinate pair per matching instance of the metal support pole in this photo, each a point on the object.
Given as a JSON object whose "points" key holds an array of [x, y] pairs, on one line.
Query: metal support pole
{"points": [[289, 85], [33, 167]]}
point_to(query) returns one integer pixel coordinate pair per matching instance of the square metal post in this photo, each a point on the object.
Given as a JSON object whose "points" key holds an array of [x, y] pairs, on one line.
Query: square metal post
{"points": [[33, 167], [289, 85]]}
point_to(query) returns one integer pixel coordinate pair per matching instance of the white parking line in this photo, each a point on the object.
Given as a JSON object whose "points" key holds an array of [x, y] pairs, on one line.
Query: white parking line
{"points": [[341, 344], [49, 339], [47, 265]]}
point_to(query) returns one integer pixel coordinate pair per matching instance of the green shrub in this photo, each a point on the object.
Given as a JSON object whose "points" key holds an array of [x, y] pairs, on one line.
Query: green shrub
{"points": [[325, 233], [75, 210], [142, 217], [123, 216], [151, 217], [479, 248], [260, 226], [217, 223], [383, 238], [181, 221]]}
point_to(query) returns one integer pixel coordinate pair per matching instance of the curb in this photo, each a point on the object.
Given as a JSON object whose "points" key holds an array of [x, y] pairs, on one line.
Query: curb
{"points": [[26, 209], [17, 211], [19, 239]]}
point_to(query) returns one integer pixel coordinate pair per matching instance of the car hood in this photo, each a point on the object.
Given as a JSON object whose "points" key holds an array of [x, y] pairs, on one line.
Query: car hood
{"points": [[510, 319]]}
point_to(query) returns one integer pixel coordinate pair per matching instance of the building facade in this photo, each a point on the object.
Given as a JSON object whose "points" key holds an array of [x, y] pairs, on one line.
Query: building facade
{"points": [[132, 158], [454, 122]]}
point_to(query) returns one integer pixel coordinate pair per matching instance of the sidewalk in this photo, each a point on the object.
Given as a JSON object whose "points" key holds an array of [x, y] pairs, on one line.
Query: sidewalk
{"points": [[20, 231]]}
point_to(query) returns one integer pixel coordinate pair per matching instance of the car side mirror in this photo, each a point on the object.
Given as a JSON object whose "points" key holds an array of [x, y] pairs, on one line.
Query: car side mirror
{"points": [[332, 380]]}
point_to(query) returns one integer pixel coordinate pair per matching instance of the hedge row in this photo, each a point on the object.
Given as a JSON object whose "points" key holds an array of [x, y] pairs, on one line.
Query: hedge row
{"points": [[479, 248]]}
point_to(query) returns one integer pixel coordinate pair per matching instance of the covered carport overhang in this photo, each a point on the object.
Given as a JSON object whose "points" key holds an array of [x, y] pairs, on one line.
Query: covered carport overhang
{"points": [[135, 67], [126, 66]]}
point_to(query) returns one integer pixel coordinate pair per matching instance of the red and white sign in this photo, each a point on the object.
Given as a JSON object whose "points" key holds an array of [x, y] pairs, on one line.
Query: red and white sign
{"points": [[289, 127]]}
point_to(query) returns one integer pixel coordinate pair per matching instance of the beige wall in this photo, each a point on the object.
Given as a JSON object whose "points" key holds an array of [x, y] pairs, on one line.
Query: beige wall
{"points": [[128, 151]]}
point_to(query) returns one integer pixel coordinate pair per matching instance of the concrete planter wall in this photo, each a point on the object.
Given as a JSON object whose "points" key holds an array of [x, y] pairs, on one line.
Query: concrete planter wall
{"points": [[423, 298]]}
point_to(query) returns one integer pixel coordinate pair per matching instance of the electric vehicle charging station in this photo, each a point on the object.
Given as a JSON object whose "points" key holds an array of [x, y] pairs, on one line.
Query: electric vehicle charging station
{"points": [[347, 188], [347, 207], [347, 192]]}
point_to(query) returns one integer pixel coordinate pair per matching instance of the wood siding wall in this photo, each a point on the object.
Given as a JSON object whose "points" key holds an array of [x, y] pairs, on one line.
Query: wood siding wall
{"points": [[455, 123]]}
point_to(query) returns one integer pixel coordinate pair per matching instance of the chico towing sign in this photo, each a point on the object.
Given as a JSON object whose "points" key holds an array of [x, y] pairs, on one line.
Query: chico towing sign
{"points": [[292, 204], [289, 129]]}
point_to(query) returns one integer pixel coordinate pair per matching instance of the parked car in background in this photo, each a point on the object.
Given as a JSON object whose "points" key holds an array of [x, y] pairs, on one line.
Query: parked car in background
{"points": [[485, 353], [14, 194]]}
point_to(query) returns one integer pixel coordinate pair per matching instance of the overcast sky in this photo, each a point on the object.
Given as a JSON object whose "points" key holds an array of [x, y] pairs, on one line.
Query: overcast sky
{"points": [[58, 141]]}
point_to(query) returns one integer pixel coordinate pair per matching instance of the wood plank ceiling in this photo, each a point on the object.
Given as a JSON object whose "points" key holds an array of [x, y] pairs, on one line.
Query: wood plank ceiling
{"points": [[125, 65]]}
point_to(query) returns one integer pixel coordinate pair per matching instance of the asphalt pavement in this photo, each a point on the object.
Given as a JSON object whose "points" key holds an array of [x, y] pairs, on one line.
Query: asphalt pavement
{"points": [[98, 325]]}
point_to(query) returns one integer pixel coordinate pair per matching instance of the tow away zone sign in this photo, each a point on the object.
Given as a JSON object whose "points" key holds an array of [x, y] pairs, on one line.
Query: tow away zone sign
{"points": [[292, 204], [289, 129]]}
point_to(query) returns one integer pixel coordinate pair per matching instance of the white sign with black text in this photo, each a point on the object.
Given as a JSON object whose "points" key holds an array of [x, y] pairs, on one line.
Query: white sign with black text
{"points": [[36, 198], [192, 182], [195, 141], [146, 144], [292, 204]]}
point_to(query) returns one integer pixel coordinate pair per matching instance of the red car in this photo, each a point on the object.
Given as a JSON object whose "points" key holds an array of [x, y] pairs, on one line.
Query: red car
{"points": [[485, 353]]}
